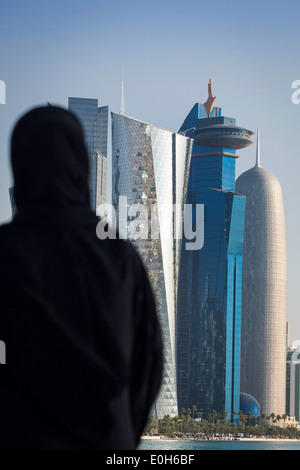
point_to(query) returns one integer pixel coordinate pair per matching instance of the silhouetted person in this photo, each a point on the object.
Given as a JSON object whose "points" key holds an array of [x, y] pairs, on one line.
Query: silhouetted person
{"points": [[83, 344]]}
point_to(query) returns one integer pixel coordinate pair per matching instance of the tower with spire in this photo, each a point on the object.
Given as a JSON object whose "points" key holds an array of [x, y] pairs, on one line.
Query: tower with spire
{"points": [[257, 164], [210, 279], [264, 289]]}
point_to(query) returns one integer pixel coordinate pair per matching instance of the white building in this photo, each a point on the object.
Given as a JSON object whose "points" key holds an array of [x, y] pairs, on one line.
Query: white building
{"points": [[264, 291]]}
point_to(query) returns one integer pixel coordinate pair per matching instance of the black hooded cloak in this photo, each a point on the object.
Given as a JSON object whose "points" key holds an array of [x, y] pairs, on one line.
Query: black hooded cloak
{"points": [[83, 343]]}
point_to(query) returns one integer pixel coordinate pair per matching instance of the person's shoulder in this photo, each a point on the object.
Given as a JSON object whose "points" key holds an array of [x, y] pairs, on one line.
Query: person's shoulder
{"points": [[121, 248], [10, 243], [7, 232], [123, 258], [5, 226]]}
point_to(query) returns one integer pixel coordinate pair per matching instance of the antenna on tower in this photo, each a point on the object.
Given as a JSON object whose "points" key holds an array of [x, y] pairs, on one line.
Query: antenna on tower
{"points": [[122, 109], [258, 165]]}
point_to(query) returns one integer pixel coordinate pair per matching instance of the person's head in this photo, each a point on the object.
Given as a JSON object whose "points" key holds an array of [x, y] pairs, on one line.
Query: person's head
{"points": [[49, 161]]}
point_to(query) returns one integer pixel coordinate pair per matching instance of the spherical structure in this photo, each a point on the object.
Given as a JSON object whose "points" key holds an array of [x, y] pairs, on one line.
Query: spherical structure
{"points": [[264, 290], [249, 404], [223, 135]]}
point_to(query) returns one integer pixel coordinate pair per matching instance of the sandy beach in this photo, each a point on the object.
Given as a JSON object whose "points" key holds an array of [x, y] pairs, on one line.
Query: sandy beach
{"points": [[244, 439]]}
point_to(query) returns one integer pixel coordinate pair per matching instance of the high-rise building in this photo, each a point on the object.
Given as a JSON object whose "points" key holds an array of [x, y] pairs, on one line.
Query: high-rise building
{"points": [[293, 382], [210, 279], [150, 168], [94, 121], [287, 334], [101, 183], [264, 295]]}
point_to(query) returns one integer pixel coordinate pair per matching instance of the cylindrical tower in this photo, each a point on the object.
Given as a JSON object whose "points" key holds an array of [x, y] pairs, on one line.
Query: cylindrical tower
{"points": [[264, 291]]}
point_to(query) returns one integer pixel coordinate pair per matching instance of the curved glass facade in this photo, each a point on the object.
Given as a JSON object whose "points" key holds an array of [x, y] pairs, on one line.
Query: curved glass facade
{"points": [[249, 404], [150, 167]]}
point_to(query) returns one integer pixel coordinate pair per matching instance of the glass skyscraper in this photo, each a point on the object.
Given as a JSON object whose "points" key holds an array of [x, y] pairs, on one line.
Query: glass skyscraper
{"points": [[293, 382], [101, 182], [210, 279], [150, 168], [94, 121]]}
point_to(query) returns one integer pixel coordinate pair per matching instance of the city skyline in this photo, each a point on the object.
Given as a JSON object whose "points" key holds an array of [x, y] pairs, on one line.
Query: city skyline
{"points": [[53, 51]]}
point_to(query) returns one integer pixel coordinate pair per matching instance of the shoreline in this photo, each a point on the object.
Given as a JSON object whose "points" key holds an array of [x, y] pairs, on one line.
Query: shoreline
{"points": [[240, 439]]}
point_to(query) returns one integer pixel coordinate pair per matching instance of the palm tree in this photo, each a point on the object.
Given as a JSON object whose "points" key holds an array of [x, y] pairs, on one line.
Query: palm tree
{"points": [[214, 415], [152, 425], [284, 416], [188, 416], [166, 427], [194, 410], [176, 420], [250, 417], [278, 419]]}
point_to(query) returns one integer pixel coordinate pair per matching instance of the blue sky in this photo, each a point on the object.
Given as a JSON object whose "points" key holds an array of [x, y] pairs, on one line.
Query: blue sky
{"points": [[50, 50]]}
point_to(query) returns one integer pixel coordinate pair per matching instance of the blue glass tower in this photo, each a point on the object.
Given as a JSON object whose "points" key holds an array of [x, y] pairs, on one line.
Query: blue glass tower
{"points": [[209, 293]]}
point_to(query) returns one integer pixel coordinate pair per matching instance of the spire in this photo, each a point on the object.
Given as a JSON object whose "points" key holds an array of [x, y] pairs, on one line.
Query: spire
{"points": [[122, 109], [258, 165], [210, 102]]}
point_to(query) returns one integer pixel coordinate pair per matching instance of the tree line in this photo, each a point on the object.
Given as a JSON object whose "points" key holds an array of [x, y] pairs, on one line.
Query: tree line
{"points": [[190, 423]]}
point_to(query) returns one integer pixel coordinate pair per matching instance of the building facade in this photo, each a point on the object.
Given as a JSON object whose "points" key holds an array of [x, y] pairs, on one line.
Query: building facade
{"points": [[264, 296], [101, 183], [150, 168], [293, 382], [210, 279], [94, 121]]}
